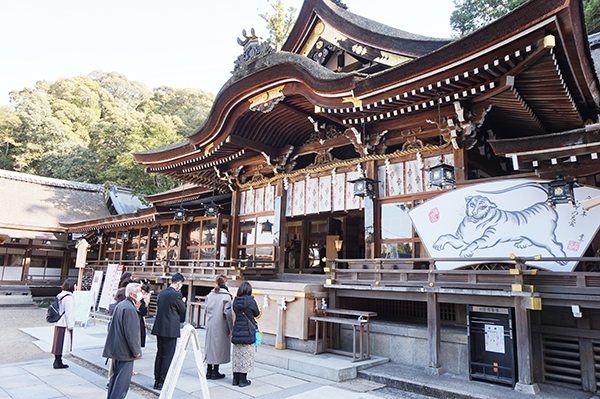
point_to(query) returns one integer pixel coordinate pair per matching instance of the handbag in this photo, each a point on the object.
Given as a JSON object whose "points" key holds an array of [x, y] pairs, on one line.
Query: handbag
{"points": [[257, 333]]}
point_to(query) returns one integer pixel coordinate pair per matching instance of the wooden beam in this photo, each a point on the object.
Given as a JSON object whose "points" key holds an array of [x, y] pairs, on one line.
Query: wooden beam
{"points": [[253, 145]]}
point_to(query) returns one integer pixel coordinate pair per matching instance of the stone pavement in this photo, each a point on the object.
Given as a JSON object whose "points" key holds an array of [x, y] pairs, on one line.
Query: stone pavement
{"points": [[294, 376], [278, 374], [38, 380]]}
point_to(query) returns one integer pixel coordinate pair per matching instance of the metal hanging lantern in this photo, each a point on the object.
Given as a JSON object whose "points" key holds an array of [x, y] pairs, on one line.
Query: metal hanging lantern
{"points": [[441, 175], [364, 187], [126, 235], [155, 232], [560, 191], [180, 214], [211, 210]]}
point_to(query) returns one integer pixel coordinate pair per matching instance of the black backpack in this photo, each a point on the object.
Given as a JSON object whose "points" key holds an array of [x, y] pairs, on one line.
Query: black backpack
{"points": [[53, 315]]}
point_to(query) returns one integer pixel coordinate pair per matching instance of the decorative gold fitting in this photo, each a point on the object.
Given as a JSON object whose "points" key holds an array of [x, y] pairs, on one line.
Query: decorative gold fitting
{"points": [[266, 96], [515, 271], [517, 287], [355, 101], [431, 284], [549, 41]]}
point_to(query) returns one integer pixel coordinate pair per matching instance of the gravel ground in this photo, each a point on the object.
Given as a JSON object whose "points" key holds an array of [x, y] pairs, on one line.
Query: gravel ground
{"points": [[16, 346]]}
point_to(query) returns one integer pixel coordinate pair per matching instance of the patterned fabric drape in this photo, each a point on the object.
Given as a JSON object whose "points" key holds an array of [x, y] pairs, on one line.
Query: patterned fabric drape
{"points": [[325, 194], [312, 196], [299, 197]]}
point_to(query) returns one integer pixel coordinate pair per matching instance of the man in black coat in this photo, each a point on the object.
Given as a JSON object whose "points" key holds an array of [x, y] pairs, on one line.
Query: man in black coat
{"points": [[170, 312], [123, 342]]}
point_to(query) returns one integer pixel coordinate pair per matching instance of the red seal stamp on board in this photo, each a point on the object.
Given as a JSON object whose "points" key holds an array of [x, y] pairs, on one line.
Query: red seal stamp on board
{"points": [[434, 215], [573, 246]]}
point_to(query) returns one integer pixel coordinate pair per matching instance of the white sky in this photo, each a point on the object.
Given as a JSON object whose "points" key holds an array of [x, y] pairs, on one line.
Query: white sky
{"points": [[180, 43]]}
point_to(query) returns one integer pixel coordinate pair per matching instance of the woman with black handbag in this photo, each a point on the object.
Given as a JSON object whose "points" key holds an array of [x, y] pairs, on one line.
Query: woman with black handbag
{"points": [[243, 336], [66, 308]]}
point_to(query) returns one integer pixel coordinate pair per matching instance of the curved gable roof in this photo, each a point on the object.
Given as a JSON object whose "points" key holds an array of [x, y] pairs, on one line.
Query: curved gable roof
{"points": [[362, 29]]}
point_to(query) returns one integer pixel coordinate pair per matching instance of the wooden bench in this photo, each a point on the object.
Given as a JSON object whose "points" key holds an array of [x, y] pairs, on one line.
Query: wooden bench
{"points": [[354, 318]]}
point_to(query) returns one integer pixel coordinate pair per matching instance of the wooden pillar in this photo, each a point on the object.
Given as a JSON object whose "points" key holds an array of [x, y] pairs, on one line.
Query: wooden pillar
{"points": [[369, 214], [235, 223], [524, 349], [433, 333], [460, 161], [586, 355], [280, 205], [26, 262], [180, 246], [280, 342]]}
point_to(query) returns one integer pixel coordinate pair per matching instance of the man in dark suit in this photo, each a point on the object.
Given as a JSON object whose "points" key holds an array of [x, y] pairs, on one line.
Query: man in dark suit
{"points": [[123, 341], [170, 312]]}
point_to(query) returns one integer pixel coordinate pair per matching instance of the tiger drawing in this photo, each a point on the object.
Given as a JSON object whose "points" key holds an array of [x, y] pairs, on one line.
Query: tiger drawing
{"points": [[485, 226]]}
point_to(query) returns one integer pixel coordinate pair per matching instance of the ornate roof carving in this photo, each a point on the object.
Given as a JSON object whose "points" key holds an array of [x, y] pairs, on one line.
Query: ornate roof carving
{"points": [[254, 48]]}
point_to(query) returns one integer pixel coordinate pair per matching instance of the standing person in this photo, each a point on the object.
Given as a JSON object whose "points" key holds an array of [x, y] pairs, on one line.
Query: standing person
{"points": [[143, 311], [123, 341], [219, 322], [66, 307], [244, 334], [170, 312]]}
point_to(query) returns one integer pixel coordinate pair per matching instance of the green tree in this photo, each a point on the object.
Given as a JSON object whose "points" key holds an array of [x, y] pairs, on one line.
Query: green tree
{"points": [[280, 23], [10, 125], [592, 15], [85, 128], [470, 15]]}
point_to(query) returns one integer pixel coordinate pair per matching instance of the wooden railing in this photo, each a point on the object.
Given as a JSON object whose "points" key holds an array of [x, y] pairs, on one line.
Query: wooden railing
{"points": [[421, 272], [195, 269]]}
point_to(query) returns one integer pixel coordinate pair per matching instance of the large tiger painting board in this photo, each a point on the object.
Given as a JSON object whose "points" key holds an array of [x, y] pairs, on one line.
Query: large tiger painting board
{"points": [[506, 217]]}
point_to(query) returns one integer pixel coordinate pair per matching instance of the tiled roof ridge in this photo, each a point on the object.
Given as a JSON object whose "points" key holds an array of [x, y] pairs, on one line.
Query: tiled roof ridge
{"points": [[49, 181]]}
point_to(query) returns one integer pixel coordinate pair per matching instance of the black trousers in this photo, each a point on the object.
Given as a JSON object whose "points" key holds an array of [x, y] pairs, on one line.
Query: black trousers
{"points": [[120, 379], [164, 356]]}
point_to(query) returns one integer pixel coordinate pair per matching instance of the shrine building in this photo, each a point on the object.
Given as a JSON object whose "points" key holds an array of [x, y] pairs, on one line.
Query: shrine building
{"points": [[448, 187]]}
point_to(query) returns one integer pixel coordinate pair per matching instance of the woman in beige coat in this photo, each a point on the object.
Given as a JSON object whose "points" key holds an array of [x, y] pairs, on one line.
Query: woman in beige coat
{"points": [[64, 326], [219, 322]]}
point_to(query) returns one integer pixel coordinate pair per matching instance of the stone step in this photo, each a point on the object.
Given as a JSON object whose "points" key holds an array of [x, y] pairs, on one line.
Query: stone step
{"points": [[327, 366], [422, 381], [15, 295]]}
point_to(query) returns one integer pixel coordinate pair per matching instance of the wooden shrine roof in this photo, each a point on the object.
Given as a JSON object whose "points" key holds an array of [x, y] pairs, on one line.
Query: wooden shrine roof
{"points": [[286, 105]]}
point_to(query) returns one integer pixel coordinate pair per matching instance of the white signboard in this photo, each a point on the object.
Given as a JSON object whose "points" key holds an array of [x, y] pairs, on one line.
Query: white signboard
{"points": [[83, 303], [494, 338], [496, 219], [95, 289], [111, 284]]}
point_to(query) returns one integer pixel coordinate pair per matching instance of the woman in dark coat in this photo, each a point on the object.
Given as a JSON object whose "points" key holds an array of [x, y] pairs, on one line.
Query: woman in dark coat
{"points": [[244, 334], [219, 322]]}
